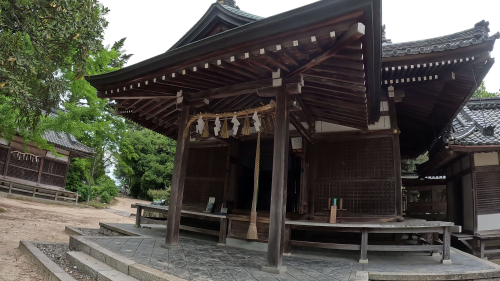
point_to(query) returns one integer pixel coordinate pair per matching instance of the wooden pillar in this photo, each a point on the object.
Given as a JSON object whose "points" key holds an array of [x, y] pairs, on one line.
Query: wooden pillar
{"points": [[446, 245], [223, 231], [138, 217], [364, 246], [7, 162], [40, 172], [279, 184], [397, 159], [178, 177]]}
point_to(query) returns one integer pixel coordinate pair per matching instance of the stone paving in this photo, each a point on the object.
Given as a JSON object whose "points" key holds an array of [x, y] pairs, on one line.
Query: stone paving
{"points": [[203, 260]]}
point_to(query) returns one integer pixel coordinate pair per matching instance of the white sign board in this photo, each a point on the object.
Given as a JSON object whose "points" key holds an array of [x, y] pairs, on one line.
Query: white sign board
{"points": [[296, 143]]}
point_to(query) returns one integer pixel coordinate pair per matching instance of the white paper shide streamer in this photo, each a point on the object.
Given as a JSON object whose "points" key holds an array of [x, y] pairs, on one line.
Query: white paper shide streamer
{"points": [[257, 123], [236, 124], [217, 126], [200, 126]]}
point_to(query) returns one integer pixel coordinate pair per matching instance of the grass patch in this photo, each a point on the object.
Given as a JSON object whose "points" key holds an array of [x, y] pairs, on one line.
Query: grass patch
{"points": [[98, 204], [2, 210]]}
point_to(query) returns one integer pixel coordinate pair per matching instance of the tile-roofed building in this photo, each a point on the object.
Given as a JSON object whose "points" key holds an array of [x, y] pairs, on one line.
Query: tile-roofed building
{"points": [[68, 142], [476, 35], [476, 123]]}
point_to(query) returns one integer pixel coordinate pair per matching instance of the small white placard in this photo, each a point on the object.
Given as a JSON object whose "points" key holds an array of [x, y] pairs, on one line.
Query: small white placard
{"points": [[296, 143]]}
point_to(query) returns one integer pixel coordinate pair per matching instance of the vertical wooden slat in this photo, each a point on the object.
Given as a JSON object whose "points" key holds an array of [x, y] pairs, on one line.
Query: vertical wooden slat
{"points": [[66, 173], [7, 162], [40, 172], [304, 179], [474, 191], [279, 181], [178, 177]]}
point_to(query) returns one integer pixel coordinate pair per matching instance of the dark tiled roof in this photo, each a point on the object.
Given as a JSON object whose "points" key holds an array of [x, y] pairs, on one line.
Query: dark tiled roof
{"points": [[241, 13], [472, 124], [68, 142], [476, 35]]}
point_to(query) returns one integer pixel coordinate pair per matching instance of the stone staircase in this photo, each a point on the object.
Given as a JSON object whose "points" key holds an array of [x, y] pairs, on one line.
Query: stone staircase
{"points": [[95, 268], [105, 265]]}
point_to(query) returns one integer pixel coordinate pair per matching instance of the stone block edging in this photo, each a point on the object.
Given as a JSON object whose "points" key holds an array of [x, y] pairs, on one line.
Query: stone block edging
{"points": [[119, 230], [486, 275], [44, 266], [71, 230], [118, 262]]}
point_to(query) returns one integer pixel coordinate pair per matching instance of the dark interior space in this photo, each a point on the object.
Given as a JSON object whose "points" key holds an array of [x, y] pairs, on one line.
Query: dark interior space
{"points": [[246, 176]]}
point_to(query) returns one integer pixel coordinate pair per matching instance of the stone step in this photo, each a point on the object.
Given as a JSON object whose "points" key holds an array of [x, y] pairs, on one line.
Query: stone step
{"points": [[95, 268]]}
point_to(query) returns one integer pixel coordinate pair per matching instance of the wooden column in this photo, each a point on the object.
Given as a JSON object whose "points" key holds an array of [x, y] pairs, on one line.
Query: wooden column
{"points": [[138, 217], [7, 162], [222, 232], [364, 246], [178, 177], [279, 184], [40, 172], [397, 159], [446, 245]]}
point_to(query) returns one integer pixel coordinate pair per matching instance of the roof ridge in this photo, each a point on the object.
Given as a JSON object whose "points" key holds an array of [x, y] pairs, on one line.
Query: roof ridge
{"points": [[475, 35]]}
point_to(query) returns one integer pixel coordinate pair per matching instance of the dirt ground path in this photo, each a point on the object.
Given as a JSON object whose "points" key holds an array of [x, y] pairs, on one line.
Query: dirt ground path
{"points": [[123, 204], [24, 220]]}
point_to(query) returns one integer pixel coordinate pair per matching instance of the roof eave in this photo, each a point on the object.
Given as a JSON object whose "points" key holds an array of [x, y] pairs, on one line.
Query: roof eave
{"points": [[304, 16]]}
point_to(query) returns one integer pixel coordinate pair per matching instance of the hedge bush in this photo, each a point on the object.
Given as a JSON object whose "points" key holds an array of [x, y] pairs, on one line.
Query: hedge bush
{"points": [[106, 198], [159, 194]]}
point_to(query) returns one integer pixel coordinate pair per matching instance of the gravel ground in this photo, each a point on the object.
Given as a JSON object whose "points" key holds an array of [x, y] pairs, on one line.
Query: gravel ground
{"points": [[57, 253], [91, 232]]}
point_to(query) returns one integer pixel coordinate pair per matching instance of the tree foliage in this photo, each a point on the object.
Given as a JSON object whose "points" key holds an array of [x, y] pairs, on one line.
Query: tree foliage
{"points": [[40, 39], [482, 93], [145, 162], [92, 121]]}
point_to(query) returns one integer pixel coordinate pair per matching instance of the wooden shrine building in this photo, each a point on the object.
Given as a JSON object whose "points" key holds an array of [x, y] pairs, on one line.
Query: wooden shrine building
{"points": [[468, 154], [337, 103], [26, 169]]}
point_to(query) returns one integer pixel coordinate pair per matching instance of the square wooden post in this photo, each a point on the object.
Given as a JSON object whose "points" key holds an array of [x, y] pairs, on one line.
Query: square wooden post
{"points": [[279, 184], [364, 246], [222, 232], [138, 217], [397, 159], [178, 177], [446, 245]]}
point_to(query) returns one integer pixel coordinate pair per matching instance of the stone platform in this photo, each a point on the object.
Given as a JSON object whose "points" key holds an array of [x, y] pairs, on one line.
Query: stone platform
{"points": [[199, 258]]}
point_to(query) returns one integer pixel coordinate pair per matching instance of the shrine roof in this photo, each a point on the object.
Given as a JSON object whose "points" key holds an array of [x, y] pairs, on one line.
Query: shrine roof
{"points": [[476, 35], [475, 124]]}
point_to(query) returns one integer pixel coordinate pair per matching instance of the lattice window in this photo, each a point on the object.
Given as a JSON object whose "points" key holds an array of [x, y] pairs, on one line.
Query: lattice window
{"points": [[52, 180], [360, 172], [54, 167], [205, 175], [488, 192], [20, 173]]}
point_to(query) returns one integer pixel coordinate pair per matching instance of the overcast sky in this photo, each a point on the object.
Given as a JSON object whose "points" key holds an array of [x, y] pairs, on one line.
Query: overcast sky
{"points": [[153, 26]]}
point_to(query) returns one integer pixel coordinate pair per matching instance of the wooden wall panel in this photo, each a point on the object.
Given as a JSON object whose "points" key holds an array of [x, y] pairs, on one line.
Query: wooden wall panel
{"points": [[488, 192], [359, 171], [206, 174]]}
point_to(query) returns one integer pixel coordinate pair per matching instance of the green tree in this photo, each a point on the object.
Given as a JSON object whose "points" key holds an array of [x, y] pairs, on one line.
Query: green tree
{"points": [[482, 93], [92, 121], [39, 40], [145, 162]]}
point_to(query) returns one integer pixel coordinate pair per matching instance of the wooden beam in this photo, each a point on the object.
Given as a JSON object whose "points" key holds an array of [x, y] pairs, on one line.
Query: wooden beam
{"points": [[302, 130], [279, 182], [355, 32], [135, 95], [241, 89], [163, 108], [397, 160], [306, 112], [178, 177]]}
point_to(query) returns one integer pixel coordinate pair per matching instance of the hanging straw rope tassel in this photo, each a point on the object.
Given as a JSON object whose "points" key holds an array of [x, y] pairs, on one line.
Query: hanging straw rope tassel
{"points": [[205, 133], [252, 228], [246, 127], [224, 134]]}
